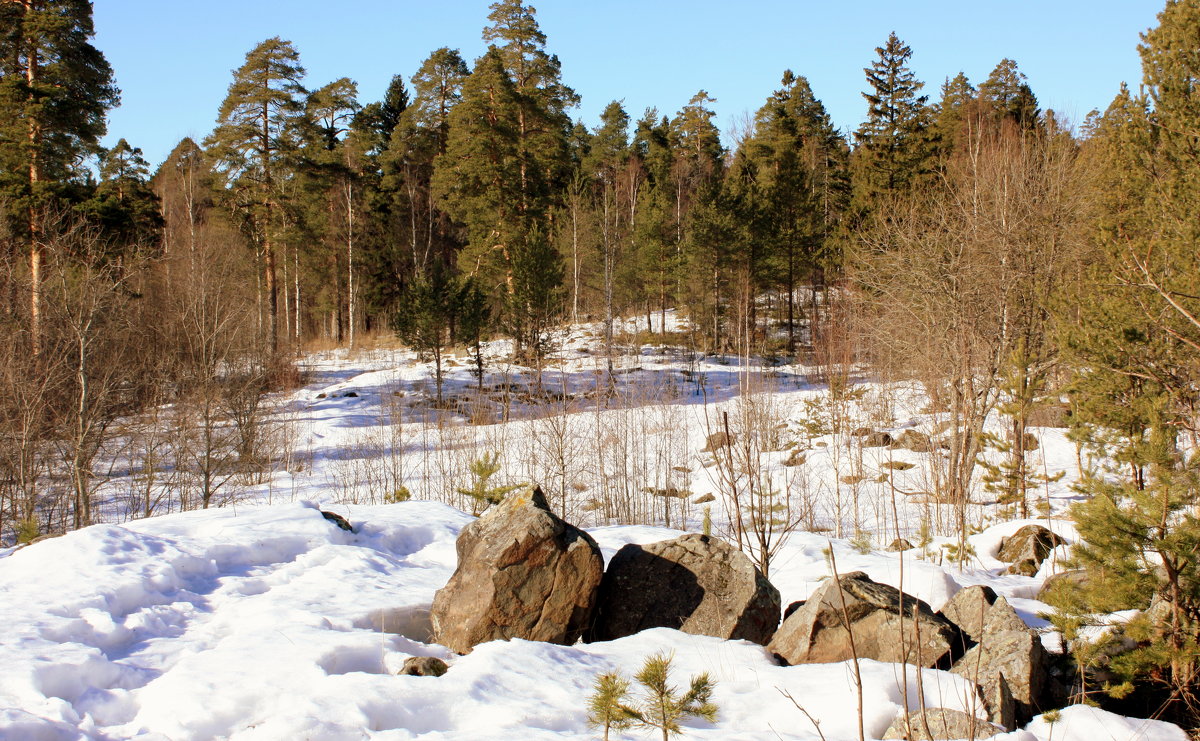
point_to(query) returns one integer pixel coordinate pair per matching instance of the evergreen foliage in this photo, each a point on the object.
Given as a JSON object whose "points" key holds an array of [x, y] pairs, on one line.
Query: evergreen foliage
{"points": [[661, 706], [252, 144], [893, 145]]}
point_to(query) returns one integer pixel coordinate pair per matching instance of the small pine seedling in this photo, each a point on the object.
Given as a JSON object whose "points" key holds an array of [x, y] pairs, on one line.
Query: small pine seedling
{"points": [[482, 494], [607, 706], [663, 707]]}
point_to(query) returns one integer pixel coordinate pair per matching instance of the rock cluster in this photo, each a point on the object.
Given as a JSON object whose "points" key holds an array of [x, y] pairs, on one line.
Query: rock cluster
{"points": [[1027, 548], [525, 573]]}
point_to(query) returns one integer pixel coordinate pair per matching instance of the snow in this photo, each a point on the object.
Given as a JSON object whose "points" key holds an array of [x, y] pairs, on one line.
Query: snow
{"points": [[263, 620]]}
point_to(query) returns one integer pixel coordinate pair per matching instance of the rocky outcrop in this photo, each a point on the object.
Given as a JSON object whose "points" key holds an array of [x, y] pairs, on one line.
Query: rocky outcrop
{"points": [[1010, 666], [694, 583], [820, 630], [522, 572], [940, 724], [1027, 548], [975, 607]]}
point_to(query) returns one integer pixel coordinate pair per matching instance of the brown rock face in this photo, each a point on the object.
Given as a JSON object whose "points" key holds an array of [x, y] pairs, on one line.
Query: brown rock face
{"points": [[817, 631], [694, 583], [1027, 548], [522, 572]]}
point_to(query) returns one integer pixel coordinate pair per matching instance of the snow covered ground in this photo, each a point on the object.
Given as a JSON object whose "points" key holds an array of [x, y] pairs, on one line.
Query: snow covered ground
{"points": [[263, 620]]}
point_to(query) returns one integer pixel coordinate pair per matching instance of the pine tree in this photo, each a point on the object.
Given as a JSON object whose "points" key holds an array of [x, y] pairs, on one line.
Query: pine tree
{"points": [[477, 179], [604, 165], [123, 203], [542, 125], [663, 707], [1135, 343], [1009, 96], [252, 142], [893, 145], [55, 88], [607, 707]]}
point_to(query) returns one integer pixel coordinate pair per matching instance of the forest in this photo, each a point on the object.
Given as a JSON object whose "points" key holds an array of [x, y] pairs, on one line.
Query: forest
{"points": [[1009, 263]]}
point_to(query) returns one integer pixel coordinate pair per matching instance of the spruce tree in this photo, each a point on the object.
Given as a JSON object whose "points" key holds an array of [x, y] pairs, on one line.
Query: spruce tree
{"points": [[427, 311], [55, 88], [893, 145], [953, 112], [252, 144]]}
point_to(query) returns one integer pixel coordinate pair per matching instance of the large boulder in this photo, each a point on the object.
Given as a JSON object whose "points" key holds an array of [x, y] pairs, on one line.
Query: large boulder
{"points": [[694, 583], [1027, 548], [817, 632], [522, 572], [1010, 666], [972, 608], [940, 724]]}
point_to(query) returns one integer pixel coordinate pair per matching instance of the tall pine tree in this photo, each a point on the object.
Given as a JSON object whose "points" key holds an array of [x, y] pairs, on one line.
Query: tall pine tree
{"points": [[55, 88], [253, 143]]}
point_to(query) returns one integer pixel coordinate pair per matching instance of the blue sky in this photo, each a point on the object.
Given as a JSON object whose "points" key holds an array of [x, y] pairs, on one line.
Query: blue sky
{"points": [[173, 59]]}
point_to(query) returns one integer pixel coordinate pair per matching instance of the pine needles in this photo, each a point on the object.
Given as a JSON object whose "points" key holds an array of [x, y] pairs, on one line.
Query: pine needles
{"points": [[660, 707]]}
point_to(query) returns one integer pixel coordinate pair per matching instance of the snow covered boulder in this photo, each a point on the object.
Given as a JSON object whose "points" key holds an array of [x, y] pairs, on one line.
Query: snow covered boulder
{"points": [[817, 631], [695, 583], [523, 572], [938, 724], [1027, 548]]}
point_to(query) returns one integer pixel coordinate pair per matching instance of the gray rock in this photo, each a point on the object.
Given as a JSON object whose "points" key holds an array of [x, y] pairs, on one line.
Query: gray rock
{"points": [[900, 544], [694, 583], [977, 610], [715, 442], [1007, 664], [522, 572], [817, 632], [913, 440], [940, 724], [704, 498], [423, 666]]}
